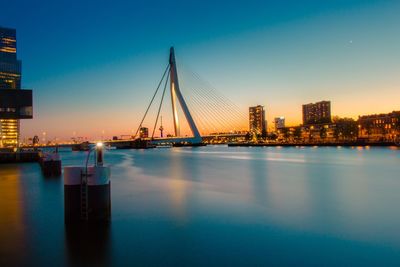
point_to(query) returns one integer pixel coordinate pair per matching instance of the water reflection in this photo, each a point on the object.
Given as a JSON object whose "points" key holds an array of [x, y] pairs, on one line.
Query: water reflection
{"points": [[12, 226], [178, 189], [88, 244], [258, 175]]}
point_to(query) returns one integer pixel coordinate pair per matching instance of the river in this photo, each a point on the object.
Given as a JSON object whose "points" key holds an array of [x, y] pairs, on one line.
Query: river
{"points": [[214, 206]]}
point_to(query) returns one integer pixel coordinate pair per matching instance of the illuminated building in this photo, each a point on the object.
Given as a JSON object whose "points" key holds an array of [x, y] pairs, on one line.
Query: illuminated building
{"points": [[316, 113], [379, 126], [15, 103], [279, 123], [144, 132], [257, 123]]}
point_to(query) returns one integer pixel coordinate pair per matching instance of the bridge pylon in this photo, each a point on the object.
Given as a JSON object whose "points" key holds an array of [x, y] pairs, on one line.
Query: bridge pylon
{"points": [[176, 97]]}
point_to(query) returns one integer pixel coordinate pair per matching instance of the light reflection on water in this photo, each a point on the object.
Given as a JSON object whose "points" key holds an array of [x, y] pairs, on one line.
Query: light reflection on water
{"points": [[12, 237], [215, 206]]}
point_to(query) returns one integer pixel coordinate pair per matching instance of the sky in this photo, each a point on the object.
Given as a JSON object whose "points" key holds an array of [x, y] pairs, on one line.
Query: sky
{"points": [[94, 65]]}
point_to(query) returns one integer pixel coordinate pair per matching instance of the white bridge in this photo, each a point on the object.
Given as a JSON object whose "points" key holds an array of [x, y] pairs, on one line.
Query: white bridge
{"points": [[176, 98]]}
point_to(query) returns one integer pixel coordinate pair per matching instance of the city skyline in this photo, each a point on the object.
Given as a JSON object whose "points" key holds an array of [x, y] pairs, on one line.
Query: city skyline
{"points": [[282, 58], [199, 133]]}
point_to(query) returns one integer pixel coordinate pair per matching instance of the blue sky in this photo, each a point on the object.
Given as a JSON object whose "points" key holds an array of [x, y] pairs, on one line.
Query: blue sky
{"points": [[93, 65]]}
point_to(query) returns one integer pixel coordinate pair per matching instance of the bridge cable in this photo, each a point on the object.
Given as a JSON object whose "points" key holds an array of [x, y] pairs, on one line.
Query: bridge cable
{"points": [[210, 110], [193, 103], [226, 103], [214, 91], [161, 102], [217, 102], [151, 102], [213, 109]]}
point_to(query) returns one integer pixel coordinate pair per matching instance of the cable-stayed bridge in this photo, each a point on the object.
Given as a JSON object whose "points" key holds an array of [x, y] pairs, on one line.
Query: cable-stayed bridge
{"points": [[203, 111], [199, 112]]}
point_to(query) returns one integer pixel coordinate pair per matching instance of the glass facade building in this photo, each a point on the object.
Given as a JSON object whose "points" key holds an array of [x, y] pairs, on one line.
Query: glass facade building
{"points": [[10, 79], [257, 123]]}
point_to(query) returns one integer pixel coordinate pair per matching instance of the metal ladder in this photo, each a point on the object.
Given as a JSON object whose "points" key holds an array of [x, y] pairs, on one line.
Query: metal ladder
{"points": [[84, 198]]}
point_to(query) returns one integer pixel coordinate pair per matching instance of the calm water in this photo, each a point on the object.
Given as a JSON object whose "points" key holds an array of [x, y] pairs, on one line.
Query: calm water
{"points": [[214, 206]]}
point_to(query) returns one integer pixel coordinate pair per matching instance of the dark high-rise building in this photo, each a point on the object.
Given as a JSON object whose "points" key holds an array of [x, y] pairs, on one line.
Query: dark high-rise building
{"points": [[10, 66], [315, 113], [15, 103], [257, 123]]}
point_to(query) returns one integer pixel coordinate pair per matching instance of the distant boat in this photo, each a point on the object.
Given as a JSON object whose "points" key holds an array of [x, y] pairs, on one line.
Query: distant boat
{"points": [[109, 147], [189, 144], [164, 146], [81, 147]]}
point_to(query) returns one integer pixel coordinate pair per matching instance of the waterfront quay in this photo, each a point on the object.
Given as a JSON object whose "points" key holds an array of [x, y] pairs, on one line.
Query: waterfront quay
{"points": [[32, 153], [19, 157], [316, 144]]}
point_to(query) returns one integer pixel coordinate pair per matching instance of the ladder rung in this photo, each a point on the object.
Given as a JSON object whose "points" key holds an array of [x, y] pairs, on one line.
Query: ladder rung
{"points": [[84, 202]]}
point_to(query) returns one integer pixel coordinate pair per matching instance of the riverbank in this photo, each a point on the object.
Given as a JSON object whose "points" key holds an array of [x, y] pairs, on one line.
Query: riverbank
{"points": [[331, 144]]}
